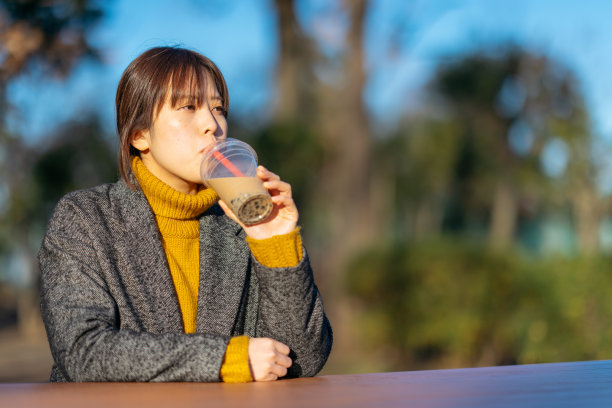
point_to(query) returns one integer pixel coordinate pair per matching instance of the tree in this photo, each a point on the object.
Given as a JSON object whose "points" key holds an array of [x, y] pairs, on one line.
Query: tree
{"points": [[321, 140], [76, 156], [346, 176], [45, 38], [510, 105], [416, 175], [48, 37], [294, 69], [332, 117], [51, 35]]}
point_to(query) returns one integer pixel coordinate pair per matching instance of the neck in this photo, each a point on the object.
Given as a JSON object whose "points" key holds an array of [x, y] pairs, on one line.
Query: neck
{"points": [[171, 180]]}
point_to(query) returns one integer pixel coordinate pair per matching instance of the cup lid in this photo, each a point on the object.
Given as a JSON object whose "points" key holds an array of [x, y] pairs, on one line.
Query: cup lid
{"points": [[228, 158]]}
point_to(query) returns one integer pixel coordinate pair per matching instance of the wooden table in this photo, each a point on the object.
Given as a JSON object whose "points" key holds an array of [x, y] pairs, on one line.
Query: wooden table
{"points": [[579, 384]]}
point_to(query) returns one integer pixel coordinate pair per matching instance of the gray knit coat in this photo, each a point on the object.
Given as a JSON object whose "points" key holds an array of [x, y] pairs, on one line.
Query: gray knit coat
{"points": [[111, 311]]}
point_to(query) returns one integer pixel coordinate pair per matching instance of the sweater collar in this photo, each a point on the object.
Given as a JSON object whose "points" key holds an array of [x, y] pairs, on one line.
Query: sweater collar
{"points": [[168, 202]]}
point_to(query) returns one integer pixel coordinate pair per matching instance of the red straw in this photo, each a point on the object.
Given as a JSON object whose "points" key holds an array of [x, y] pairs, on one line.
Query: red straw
{"points": [[228, 164]]}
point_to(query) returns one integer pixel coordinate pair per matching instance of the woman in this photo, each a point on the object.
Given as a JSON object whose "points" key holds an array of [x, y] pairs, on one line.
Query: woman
{"points": [[148, 279]]}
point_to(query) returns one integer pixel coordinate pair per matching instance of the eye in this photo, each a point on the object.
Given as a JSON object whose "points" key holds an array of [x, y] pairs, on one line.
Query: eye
{"points": [[190, 107], [219, 110]]}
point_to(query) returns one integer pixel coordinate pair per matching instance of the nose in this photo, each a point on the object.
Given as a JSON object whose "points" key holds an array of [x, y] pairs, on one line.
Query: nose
{"points": [[209, 125]]}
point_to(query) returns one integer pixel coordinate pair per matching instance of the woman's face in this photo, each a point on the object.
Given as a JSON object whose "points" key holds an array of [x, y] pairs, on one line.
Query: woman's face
{"points": [[172, 149]]}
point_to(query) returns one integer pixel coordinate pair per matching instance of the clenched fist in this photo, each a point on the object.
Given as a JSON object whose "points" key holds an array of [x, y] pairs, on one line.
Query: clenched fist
{"points": [[268, 358]]}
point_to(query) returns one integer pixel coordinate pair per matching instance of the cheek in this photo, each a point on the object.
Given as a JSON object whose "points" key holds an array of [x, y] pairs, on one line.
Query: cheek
{"points": [[222, 123], [178, 134], [174, 128]]}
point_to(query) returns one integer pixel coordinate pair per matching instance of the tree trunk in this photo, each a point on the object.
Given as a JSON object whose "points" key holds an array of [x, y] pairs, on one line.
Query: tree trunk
{"points": [[427, 219], [294, 68], [586, 212], [346, 179], [503, 217], [344, 192]]}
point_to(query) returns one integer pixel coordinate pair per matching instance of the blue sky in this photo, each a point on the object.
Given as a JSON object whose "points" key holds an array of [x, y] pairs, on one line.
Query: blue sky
{"points": [[240, 36]]}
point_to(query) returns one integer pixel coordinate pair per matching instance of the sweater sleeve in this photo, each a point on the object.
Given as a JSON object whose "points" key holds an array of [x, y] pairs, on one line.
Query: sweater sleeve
{"points": [[279, 251], [235, 368]]}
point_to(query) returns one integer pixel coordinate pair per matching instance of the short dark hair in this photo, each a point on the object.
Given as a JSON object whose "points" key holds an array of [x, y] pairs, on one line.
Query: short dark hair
{"points": [[144, 86]]}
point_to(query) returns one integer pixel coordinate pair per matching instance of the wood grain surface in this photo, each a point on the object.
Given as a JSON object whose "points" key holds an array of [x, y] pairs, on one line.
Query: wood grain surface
{"points": [[576, 384]]}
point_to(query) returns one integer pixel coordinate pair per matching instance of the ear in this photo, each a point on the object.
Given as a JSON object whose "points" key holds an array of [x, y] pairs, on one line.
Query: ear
{"points": [[141, 140]]}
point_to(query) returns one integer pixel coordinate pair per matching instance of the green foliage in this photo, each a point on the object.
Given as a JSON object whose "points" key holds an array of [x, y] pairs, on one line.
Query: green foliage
{"points": [[449, 303], [429, 144], [50, 36], [292, 150], [81, 156], [476, 79], [78, 155]]}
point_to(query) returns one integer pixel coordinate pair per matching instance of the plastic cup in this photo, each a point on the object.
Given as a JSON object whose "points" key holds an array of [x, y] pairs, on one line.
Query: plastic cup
{"points": [[229, 167]]}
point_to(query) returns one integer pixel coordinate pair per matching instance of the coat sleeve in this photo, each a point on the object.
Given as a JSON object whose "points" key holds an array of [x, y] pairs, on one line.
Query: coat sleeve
{"points": [[291, 311], [82, 320]]}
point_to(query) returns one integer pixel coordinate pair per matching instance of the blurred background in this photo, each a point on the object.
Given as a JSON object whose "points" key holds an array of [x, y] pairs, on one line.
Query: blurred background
{"points": [[450, 160]]}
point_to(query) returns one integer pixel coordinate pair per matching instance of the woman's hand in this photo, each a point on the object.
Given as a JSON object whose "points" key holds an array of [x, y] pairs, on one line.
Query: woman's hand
{"points": [[268, 359], [284, 216]]}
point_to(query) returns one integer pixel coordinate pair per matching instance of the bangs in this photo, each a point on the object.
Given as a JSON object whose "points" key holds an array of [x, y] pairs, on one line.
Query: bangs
{"points": [[189, 83], [187, 78]]}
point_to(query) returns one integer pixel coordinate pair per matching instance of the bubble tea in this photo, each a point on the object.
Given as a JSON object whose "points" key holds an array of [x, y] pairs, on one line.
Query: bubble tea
{"points": [[229, 167]]}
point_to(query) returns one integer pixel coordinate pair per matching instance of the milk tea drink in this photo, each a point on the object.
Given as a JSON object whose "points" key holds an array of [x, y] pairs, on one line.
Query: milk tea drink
{"points": [[229, 167], [246, 196]]}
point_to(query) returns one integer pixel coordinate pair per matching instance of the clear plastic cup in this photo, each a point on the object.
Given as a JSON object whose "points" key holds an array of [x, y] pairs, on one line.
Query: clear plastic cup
{"points": [[229, 167]]}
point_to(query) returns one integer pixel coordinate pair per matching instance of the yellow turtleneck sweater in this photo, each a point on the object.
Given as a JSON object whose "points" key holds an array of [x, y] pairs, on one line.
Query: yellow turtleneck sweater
{"points": [[177, 214]]}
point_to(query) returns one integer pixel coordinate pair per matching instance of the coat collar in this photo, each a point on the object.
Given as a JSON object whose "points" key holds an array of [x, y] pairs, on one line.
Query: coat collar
{"points": [[224, 265]]}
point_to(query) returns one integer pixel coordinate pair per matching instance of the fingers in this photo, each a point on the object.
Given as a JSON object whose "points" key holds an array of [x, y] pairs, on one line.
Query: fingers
{"points": [[276, 187], [273, 183], [284, 362], [266, 174], [282, 348], [278, 371], [268, 359], [225, 208], [283, 201]]}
